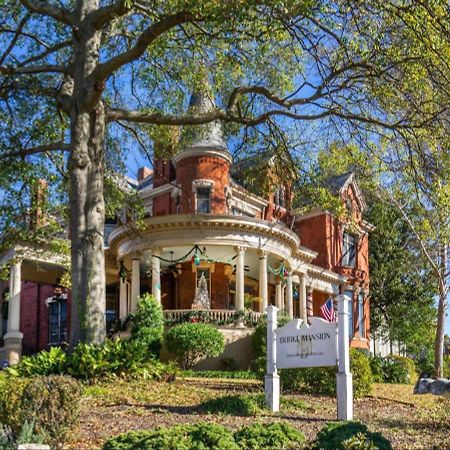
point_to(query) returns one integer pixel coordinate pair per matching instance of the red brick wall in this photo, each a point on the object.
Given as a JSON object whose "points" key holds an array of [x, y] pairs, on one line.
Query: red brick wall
{"points": [[314, 234], [34, 316], [162, 205], [164, 172], [203, 167]]}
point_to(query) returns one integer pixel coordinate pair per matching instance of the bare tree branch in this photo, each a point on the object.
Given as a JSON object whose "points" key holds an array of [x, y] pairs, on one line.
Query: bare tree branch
{"points": [[54, 146], [50, 50], [14, 39], [10, 70], [49, 9], [102, 71]]}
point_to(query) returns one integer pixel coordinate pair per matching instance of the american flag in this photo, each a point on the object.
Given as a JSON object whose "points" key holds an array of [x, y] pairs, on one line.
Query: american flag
{"points": [[327, 311]]}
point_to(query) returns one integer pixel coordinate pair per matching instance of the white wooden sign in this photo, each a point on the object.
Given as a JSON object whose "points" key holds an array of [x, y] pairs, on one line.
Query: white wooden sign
{"points": [[303, 345], [317, 345]]}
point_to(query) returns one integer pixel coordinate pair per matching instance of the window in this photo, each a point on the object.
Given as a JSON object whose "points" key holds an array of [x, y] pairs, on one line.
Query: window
{"points": [[279, 197], [351, 329], [204, 200], [349, 250], [57, 320], [361, 322]]}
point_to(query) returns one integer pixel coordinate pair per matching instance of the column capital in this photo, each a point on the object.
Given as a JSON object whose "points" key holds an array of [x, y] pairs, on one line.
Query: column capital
{"points": [[156, 251], [262, 254], [136, 256], [239, 249]]}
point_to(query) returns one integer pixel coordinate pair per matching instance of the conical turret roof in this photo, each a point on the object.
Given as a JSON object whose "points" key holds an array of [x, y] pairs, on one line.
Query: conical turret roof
{"points": [[208, 135]]}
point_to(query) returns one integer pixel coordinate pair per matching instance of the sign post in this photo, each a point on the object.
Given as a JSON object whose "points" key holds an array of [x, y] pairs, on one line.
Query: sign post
{"points": [[320, 344], [272, 379], [344, 381]]}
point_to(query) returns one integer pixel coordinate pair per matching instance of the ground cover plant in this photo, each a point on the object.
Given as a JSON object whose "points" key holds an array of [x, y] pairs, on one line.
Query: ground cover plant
{"points": [[112, 407], [203, 436], [347, 435], [89, 362]]}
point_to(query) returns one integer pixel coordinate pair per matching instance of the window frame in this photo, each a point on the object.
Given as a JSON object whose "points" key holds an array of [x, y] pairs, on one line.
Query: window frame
{"points": [[361, 315], [347, 245]]}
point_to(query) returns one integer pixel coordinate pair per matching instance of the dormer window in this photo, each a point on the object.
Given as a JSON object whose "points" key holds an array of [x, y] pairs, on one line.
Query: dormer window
{"points": [[349, 250], [204, 200]]}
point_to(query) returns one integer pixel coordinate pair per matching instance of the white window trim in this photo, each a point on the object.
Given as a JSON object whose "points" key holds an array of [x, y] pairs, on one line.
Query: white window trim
{"points": [[202, 183]]}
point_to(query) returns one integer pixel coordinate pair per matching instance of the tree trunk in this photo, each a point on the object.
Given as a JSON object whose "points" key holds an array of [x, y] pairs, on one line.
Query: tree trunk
{"points": [[86, 172], [443, 292], [87, 218], [439, 342]]}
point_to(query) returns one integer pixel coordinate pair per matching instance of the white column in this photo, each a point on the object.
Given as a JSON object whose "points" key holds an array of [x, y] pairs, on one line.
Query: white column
{"points": [[289, 296], [302, 297], [135, 282], [263, 280], [272, 379], [344, 382], [156, 273], [309, 302], [240, 251], [278, 299], [13, 338], [123, 300]]}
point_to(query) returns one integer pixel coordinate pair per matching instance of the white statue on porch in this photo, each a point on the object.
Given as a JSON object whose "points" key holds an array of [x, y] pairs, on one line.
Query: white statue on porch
{"points": [[202, 297]]}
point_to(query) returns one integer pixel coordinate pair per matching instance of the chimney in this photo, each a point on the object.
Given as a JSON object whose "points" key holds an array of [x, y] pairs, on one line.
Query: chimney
{"points": [[39, 197], [144, 172]]}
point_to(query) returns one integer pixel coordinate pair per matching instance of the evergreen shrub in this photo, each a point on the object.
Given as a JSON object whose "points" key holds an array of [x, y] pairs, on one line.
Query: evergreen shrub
{"points": [[349, 435], [52, 403], [47, 404], [398, 369], [204, 436], [148, 323], [272, 436], [190, 342]]}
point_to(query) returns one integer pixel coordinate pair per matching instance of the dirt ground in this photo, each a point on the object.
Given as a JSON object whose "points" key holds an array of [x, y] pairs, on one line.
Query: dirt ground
{"points": [[408, 421]]}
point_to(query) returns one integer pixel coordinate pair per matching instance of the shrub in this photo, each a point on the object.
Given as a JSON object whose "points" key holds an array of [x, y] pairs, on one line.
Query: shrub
{"points": [[237, 375], [362, 374], [90, 362], [236, 405], [51, 362], [339, 435], [11, 393], [447, 366], [52, 402], [46, 404], [398, 369], [26, 435], [272, 436], [148, 323], [203, 436], [376, 366], [200, 436], [190, 342], [322, 380]]}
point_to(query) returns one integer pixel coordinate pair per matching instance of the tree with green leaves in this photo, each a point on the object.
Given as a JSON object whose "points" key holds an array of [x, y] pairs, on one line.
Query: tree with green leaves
{"points": [[80, 79]]}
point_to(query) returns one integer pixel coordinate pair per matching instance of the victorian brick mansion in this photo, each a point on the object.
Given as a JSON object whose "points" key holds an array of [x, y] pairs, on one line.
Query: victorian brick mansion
{"points": [[200, 222]]}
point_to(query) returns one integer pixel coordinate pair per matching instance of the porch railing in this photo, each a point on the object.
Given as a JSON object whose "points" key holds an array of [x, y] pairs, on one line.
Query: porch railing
{"points": [[214, 316]]}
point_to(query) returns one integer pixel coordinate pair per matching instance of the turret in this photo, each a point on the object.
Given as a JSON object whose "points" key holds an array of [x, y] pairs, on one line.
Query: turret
{"points": [[203, 165]]}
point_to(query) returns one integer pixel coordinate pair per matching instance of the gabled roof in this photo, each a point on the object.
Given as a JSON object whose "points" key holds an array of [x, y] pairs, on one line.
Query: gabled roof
{"points": [[340, 183]]}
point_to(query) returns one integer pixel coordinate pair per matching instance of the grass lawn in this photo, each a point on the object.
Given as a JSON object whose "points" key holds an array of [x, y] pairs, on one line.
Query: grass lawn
{"points": [[110, 408]]}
